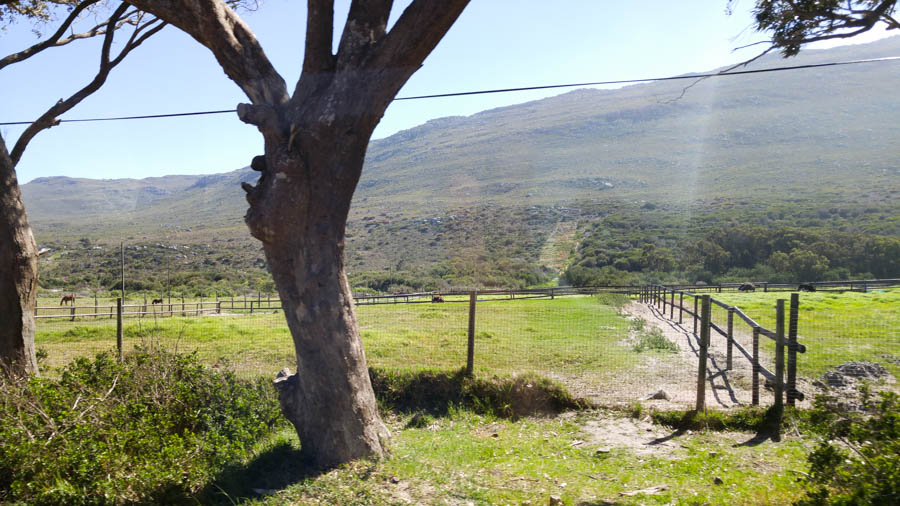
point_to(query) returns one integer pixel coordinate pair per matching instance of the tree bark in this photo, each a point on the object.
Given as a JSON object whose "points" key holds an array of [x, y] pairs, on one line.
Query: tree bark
{"points": [[299, 211], [18, 275]]}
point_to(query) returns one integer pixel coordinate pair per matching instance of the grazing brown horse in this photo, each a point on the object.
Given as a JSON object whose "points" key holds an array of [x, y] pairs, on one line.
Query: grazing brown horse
{"points": [[437, 298], [156, 301], [67, 299]]}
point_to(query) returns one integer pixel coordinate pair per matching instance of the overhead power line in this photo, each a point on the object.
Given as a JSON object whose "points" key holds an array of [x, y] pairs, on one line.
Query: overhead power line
{"points": [[510, 90]]}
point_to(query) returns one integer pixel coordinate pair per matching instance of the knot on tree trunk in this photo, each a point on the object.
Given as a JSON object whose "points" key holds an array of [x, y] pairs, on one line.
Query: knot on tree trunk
{"points": [[263, 116], [288, 387]]}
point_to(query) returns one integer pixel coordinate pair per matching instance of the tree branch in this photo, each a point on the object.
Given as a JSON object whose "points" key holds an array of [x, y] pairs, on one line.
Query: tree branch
{"points": [[366, 26], [419, 29], [53, 40], [49, 118], [796, 23], [215, 25], [319, 32]]}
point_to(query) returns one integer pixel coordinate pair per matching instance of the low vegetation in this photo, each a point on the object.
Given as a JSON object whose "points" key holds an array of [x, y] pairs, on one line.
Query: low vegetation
{"points": [[155, 428], [855, 460]]}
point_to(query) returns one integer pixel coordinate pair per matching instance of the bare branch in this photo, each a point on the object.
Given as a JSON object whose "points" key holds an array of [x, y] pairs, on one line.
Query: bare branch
{"points": [[215, 25], [153, 26], [721, 72], [53, 40], [319, 33], [49, 118]]}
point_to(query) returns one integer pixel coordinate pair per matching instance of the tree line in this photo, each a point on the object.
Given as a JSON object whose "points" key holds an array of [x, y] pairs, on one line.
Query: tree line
{"points": [[731, 254]]}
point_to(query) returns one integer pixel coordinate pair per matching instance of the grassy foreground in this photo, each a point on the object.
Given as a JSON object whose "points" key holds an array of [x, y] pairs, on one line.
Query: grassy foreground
{"points": [[466, 458]]}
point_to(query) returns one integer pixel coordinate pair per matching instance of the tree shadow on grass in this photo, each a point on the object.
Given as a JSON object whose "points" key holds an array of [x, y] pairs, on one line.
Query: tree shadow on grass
{"points": [[273, 470], [436, 392]]}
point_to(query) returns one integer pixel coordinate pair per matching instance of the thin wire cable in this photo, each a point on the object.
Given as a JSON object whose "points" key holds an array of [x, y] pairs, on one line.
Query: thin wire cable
{"points": [[511, 90]]}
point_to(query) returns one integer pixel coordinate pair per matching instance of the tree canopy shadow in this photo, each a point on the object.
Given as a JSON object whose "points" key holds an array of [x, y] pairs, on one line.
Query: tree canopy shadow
{"points": [[273, 470]]}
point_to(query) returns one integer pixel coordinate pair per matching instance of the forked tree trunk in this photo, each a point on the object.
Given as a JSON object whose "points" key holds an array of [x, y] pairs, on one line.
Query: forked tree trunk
{"points": [[18, 275], [316, 139]]}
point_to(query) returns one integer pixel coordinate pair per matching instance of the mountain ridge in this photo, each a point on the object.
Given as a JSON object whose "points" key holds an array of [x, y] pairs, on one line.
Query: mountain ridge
{"points": [[814, 147]]}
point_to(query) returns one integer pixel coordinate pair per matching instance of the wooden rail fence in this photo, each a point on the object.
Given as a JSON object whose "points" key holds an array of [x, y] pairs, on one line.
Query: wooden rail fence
{"points": [[664, 298]]}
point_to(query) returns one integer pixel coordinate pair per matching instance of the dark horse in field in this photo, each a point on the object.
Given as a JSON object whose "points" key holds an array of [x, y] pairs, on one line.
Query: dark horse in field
{"points": [[806, 287], [437, 298], [66, 299], [747, 287], [156, 301]]}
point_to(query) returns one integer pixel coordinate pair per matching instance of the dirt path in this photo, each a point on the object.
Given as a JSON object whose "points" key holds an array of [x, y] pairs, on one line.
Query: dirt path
{"points": [[677, 374]]}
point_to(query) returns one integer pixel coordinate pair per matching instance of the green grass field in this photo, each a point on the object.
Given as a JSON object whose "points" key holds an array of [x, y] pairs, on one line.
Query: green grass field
{"points": [[835, 327], [567, 337]]}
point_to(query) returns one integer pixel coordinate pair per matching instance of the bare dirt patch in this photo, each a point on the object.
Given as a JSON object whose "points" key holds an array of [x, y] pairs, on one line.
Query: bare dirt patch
{"points": [[676, 373]]}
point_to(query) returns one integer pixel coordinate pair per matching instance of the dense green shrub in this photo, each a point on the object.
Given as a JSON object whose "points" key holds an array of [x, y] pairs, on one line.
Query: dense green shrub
{"points": [[856, 461], [153, 428]]}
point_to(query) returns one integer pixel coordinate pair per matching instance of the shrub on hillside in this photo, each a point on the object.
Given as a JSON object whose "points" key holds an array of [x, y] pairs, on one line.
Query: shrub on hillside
{"points": [[153, 428]]}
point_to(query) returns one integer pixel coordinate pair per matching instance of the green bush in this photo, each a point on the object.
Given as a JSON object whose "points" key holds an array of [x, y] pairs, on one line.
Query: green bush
{"points": [[156, 427], [655, 340], [856, 461]]}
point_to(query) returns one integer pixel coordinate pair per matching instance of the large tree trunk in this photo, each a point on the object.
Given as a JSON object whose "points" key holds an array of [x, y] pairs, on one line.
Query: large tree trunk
{"points": [[299, 210], [18, 275]]}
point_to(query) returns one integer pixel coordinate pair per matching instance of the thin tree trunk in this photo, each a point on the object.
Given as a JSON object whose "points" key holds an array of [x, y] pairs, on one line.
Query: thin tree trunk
{"points": [[18, 275]]}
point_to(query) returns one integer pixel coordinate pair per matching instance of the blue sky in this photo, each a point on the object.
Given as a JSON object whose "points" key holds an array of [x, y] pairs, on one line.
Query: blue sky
{"points": [[494, 44]]}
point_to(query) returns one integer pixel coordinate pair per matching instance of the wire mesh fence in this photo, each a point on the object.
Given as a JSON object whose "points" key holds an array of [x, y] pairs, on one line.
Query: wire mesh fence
{"points": [[589, 343], [844, 339]]}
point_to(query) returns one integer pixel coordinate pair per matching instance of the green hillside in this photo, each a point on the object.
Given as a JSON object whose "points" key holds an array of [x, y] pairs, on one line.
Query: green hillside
{"points": [[465, 200]]}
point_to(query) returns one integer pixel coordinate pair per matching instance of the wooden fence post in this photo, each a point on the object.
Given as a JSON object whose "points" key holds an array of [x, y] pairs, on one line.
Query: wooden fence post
{"points": [[792, 350], [695, 315], [182, 304], [218, 306], [73, 312], [730, 337], [779, 355], [470, 354], [755, 401], [119, 326], [680, 306], [672, 306], [704, 344]]}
